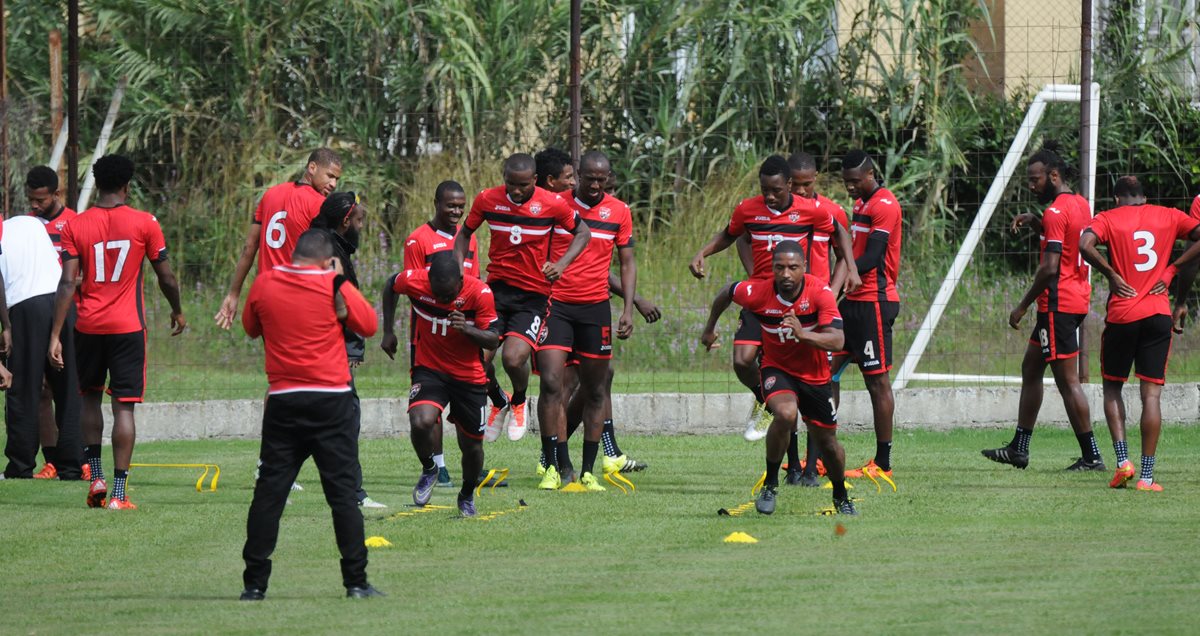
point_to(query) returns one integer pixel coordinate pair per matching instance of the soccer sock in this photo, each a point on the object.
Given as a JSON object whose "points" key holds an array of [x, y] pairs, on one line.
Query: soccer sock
{"points": [[1147, 468], [793, 452], [1122, 449], [518, 397], [811, 455], [92, 453], [839, 490], [439, 460], [427, 465], [495, 393], [609, 438], [472, 466], [564, 456], [1020, 441], [883, 455], [772, 474], [542, 458], [1087, 446], [590, 450], [49, 453], [550, 451], [118, 491], [757, 391]]}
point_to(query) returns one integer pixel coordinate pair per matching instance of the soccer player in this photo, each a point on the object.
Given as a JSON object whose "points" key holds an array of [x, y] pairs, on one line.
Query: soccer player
{"points": [[1063, 289], [102, 253], [1138, 321], [799, 319], [454, 322], [870, 311], [580, 323], [299, 310], [58, 413], [521, 217], [283, 213], [773, 216]]}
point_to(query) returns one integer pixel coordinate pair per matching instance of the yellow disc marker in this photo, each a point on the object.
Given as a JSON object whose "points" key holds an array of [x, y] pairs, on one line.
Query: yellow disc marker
{"points": [[377, 542], [740, 537]]}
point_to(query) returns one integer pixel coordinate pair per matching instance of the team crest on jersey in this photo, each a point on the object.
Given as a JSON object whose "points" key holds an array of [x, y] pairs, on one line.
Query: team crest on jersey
{"points": [[459, 302], [794, 217], [804, 305], [412, 393], [604, 212], [769, 383], [535, 208]]}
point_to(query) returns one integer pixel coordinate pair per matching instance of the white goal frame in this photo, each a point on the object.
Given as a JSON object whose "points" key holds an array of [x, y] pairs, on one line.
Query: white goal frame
{"points": [[1050, 93]]}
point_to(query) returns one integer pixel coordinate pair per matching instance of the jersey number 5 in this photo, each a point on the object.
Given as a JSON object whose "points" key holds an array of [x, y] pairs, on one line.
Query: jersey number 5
{"points": [[276, 233], [100, 248], [1145, 248]]}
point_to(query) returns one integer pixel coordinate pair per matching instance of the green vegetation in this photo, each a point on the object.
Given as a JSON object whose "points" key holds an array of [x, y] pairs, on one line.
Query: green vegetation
{"points": [[964, 546]]}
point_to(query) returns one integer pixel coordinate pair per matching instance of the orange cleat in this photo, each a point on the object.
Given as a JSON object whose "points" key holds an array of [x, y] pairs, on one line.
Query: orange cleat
{"points": [[1124, 473], [517, 423], [120, 504], [1146, 485], [97, 493], [47, 472]]}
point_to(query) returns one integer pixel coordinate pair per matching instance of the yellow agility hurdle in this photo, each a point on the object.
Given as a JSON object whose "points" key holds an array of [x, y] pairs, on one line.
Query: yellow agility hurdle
{"points": [[215, 469]]}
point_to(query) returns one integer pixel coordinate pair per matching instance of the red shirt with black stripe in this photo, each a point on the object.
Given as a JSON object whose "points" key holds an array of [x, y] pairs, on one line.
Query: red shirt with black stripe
{"points": [[801, 222], [880, 216], [55, 225], [292, 308], [426, 240], [585, 281], [110, 244], [285, 211], [1139, 240], [1062, 223], [435, 344], [819, 261], [520, 234], [815, 307]]}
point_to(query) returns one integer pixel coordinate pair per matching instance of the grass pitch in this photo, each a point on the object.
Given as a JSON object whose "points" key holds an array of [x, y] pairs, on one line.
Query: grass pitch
{"points": [[965, 546]]}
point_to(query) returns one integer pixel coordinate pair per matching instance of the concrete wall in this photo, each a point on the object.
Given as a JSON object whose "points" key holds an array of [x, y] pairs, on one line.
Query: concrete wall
{"points": [[685, 413]]}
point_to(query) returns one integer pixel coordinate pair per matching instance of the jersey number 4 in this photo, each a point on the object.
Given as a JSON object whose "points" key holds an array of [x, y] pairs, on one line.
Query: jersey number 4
{"points": [[99, 249]]}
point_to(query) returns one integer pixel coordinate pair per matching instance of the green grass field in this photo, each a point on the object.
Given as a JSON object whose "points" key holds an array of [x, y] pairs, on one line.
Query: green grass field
{"points": [[965, 546]]}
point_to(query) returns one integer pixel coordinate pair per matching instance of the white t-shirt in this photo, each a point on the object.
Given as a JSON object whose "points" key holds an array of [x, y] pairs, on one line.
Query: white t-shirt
{"points": [[28, 260]]}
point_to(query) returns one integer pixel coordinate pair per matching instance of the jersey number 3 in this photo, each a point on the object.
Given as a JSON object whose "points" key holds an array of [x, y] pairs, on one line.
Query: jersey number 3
{"points": [[1145, 248], [123, 252]]}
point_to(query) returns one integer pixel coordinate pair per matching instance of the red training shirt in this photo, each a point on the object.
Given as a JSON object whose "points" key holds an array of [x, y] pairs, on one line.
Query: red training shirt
{"points": [[110, 244], [435, 344], [292, 308], [802, 221], [586, 280], [1062, 223], [54, 227], [879, 215], [1139, 240], [815, 307], [1195, 210], [820, 264], [425, 241], [520, 234], [285, 212]]}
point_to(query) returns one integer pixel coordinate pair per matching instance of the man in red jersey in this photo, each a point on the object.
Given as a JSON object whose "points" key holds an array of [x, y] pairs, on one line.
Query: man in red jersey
{"points": [[299, 310], [521, 217], [776, 215], [283, 213], [580, 322], [870, 311], [454, 322], [58, 411], [102, 254], [799, 319], [1063, 290], [1137, 327]]}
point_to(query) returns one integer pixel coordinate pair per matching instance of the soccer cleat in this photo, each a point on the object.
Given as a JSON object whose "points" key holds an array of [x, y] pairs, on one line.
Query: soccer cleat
{"points": [[1146, 485], [517, 422], [541, 469], [1007, 455], [765, 503], [1082, 465], [550, 479], [423, 491], [845, 507], [252, 594], [367, 502], [1124, 473], [466, 507], [120, 504], [363, 592], [47, 472], [809, 480], [590, 482], [87, 472], [757, 422], [623, 464], [97, 493], [793, 477], [443, 480], [495, 421]]}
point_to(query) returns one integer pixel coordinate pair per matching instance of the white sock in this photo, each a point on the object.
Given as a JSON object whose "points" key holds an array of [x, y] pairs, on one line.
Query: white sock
{"points": [[439, 461]]}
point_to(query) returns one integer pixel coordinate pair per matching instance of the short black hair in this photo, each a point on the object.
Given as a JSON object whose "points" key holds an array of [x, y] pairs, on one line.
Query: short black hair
{"points": [[1050, 155], [594, 158], [1128, 187], [548, 163], [112, 172], [315, 244], [334, 210], [443, 269], [775, 165], [787, 247], [800, 161], [324, 157], [857, 159], [447, 187], [519, 162], [42, 177]]}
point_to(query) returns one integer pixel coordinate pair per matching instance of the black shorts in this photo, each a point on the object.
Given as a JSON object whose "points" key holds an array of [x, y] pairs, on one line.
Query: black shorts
{"points": [[1144, 345], [815, 402], [583, 330], [521, 313], [467, 401], [749, 329], [1057, 333], [120, 357], [868, 328]]}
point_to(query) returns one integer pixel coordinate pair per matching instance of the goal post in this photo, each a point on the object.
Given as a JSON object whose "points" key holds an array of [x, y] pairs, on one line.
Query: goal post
{"points": [[1050, 93]]}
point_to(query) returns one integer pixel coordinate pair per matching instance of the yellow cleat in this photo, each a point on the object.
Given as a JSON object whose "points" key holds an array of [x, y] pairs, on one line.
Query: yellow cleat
{"points": [[590, 482], [550, 479]]}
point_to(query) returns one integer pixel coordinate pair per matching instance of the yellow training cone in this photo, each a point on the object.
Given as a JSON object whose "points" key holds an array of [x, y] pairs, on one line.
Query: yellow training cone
{"points": [[573, 487], [377, 542], [740, 537]]}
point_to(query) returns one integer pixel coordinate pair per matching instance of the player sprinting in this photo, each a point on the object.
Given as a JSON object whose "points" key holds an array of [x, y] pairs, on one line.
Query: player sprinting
{"points": [[580, 323], [103, 248], [1062, 289], [870, 311], [1138, 320], [775, 215], [454, 322], [521, 217], [799, 319]]}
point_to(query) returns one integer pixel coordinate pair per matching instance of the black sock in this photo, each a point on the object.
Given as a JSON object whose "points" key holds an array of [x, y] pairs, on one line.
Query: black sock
{"points": [[793, 452], [772, 478], [757, 391], [590, 450], [518, 397], [50, 454], [564, 457], [839, 490], [118, 491], [811, 455], [427, 465], [550, 450], [495, 393], [609, 438], [1020, 440], [542, 458], [1087, 446], [883, 455], [92, 453]]}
